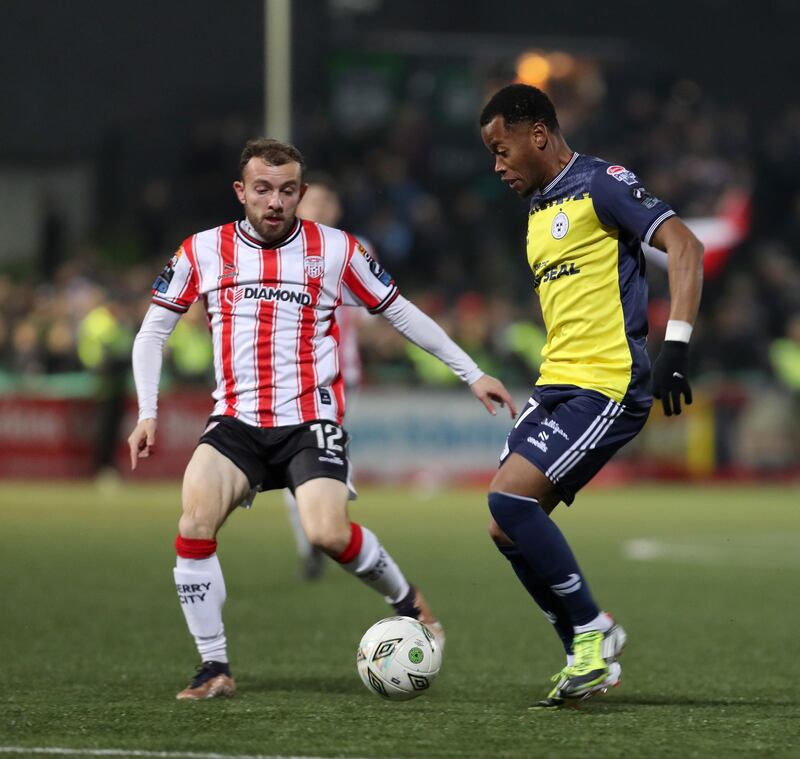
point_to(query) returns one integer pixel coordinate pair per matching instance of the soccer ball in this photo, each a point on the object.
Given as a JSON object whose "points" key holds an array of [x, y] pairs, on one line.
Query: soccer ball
{"points": [[398, 658]]}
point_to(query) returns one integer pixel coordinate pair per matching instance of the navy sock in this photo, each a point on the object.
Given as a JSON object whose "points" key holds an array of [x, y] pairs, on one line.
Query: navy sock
{"points": [[547, 552], [547, 601]]}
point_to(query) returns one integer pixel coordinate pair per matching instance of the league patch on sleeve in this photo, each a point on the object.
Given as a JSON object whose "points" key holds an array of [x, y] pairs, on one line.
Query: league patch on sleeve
{"points": [[621, 174], [161, 285], [377, 270], [644, 197]]}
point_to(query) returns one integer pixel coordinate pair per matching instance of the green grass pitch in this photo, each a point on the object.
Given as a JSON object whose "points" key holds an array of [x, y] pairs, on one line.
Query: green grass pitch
{"points": [[705, 580]]}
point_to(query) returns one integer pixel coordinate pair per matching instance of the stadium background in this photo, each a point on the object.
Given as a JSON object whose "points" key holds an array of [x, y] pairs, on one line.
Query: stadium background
{"points": [[121, 133], [120, 129]]}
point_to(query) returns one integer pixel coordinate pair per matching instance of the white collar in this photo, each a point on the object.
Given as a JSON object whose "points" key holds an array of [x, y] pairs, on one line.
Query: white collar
{"points": [[250, 229]]}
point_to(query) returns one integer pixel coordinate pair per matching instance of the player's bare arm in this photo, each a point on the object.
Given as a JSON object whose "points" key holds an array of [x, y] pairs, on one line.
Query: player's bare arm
{"points": [[685, 268]]}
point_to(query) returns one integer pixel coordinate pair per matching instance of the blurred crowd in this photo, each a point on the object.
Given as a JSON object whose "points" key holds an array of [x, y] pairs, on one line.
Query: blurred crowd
{"points": [[452, 236]]}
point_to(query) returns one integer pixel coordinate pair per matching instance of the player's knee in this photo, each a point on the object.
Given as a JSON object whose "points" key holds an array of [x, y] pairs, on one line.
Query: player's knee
{"points": [[497, 535], [192, 524], [328, 538]]}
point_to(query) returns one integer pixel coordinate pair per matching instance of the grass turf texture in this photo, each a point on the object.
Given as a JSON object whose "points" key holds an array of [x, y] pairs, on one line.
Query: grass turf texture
{"points": [[94, 645]]}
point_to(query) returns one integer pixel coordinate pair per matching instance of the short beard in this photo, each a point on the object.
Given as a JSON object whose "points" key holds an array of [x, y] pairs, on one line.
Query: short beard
{"points": [[268, 237]]}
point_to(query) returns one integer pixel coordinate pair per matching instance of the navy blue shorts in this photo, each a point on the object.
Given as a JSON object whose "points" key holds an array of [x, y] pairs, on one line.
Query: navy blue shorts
{"points": [[570, 433]]}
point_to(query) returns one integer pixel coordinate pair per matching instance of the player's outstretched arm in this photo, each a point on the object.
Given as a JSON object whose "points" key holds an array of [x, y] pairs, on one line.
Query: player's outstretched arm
{"points": [[489, 390], [142, 440], [685, 268], [423, 331]]}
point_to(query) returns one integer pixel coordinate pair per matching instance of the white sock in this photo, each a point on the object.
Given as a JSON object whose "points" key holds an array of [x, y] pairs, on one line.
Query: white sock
{"points": [[602, 622], [570, 659], [376, 568], [201, 592], [304, 548]]}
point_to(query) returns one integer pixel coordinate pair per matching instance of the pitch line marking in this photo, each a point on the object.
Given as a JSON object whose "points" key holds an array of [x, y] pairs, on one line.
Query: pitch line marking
{"points": [[761, 551], [57, 751]]}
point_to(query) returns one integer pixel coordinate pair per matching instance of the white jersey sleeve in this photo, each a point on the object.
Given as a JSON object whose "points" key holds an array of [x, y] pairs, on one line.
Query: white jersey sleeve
{"points": [[176, 287], [148, 349], [423, 331]]}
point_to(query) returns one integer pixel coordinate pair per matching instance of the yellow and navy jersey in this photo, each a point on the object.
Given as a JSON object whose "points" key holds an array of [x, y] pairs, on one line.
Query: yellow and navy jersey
{"points": [[584, 248]]}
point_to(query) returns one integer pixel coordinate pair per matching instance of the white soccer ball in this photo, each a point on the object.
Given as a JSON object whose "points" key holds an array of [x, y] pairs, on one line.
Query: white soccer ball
{"points": [[398, 658]]}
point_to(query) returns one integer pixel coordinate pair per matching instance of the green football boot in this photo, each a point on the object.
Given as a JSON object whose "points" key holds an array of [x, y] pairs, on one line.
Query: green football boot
{"points": [[582, 679]]}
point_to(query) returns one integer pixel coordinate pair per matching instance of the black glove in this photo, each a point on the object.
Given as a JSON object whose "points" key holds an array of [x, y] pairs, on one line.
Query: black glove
{"points": [[669, 376]]}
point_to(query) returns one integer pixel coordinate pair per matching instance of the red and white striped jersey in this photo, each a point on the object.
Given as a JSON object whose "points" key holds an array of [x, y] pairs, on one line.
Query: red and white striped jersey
{"points": [[272, 313]]}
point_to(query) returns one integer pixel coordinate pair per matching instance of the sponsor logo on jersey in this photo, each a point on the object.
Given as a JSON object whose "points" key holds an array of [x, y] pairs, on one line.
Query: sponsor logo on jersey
{"points": [[556, 272], [644, 197], [314, 266], [621, 174], [324, 396], [272, 293], [560, 226], [231, 295]]}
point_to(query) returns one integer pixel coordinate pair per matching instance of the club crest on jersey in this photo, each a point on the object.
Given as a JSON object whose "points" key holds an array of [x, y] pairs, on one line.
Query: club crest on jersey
{"points": [[314, 266], [621, 174], [560, 225]]}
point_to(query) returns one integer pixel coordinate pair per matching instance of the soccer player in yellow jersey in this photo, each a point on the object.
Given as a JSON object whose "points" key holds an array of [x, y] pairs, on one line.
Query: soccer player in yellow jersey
{"points": [[586, 222]]}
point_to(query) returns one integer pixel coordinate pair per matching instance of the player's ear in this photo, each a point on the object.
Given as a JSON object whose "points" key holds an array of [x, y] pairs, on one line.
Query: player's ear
{"points": [[238, 188], [303, 188], [539, 134]]}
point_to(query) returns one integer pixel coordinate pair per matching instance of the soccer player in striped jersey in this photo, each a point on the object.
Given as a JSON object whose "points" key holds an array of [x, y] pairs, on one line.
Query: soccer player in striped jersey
{"points": [[587, 219], [271, 284]]}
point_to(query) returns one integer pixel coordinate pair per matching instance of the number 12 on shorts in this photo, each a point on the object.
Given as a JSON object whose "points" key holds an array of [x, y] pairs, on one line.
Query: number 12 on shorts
{"points": [[327, 436]]}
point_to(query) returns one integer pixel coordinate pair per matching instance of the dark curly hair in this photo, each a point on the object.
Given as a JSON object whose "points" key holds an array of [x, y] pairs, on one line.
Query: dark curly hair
{"points": [[518, 103]]}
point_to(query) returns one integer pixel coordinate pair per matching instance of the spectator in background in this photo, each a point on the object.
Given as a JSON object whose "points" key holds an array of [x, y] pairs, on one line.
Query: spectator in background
{"points": [[191, 357], [784, 353], [105, 338]]}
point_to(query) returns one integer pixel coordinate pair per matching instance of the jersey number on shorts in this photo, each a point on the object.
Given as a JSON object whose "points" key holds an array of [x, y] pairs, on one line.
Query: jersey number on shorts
{"points": [[327, 437]]}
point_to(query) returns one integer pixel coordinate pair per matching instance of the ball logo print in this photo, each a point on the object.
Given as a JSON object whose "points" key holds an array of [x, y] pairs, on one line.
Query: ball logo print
{"points": [[560, 225], [386, 648], [398, 658], [419, 682]]}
